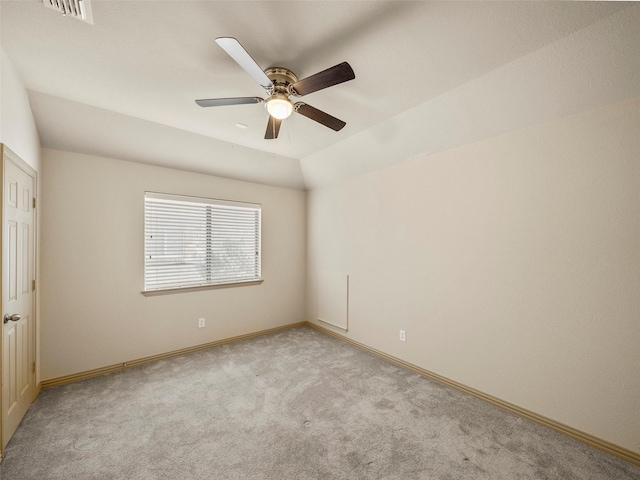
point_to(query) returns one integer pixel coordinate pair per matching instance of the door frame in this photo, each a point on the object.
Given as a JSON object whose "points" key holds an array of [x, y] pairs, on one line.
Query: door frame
{"points": [[7, 155]]}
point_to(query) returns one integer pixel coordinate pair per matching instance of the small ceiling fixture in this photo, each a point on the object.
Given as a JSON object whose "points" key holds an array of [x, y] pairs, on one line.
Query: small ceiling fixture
{"points": [[80, 9]]}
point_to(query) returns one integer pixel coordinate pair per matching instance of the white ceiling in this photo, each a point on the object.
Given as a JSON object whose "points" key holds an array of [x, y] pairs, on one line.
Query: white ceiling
{"points": [[429, 76]]}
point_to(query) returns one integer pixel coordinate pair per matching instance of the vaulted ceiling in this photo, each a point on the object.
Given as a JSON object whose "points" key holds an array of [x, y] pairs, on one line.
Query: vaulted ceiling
{"points": [[430, 76]]}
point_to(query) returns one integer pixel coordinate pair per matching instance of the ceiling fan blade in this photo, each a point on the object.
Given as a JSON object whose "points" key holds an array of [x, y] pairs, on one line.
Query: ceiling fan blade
{"points": [[319, 116], [327, 78], [221, 102], [242, 58], [273, 127]]}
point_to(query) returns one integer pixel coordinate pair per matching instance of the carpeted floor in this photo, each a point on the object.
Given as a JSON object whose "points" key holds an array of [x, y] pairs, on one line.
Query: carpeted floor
{"points": [[293, 405]]}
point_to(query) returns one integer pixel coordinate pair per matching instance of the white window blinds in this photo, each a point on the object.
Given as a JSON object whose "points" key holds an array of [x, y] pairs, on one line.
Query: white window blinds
{"points": [[191, 242]]}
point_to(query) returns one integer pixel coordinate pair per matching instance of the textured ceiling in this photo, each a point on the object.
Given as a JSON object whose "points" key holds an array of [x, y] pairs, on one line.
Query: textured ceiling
{"points": [[429, 76]]}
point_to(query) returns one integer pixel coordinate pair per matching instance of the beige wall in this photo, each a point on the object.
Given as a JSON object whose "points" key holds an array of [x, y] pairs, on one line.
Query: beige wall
{"points": [[513, 264], [17, 127], [93, 313]]}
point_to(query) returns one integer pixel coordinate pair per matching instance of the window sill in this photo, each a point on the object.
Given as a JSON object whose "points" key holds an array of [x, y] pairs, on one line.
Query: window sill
{"points": [[168, 291]]}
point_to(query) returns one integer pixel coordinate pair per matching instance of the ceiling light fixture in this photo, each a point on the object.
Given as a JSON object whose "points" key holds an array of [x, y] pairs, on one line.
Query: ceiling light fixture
{"points": [[279, 106]]}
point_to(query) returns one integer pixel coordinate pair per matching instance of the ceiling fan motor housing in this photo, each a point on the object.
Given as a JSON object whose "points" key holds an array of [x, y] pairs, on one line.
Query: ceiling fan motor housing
{"points": [[282, 78]]}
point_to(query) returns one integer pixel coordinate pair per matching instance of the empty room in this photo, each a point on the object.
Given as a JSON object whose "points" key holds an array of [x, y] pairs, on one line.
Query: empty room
{"points": [[320, 240]]}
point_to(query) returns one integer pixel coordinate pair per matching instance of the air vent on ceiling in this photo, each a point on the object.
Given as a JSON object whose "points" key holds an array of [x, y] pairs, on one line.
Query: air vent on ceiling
{"points": [[80, 9]]}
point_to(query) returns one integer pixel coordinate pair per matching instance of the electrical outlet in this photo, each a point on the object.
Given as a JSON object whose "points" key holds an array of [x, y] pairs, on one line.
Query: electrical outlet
{"points": [[403, 336], [201, 323]]}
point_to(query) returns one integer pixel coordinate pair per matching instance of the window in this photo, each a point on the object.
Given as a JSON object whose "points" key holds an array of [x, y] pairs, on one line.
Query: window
{"points": [[194, 242]]}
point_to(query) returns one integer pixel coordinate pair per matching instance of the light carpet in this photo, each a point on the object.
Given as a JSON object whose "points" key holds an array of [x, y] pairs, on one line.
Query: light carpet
{"points": [[296, 405]]}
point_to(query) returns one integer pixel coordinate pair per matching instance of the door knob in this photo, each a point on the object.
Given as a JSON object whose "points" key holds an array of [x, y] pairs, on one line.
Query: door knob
{"points": [[13, 318]]}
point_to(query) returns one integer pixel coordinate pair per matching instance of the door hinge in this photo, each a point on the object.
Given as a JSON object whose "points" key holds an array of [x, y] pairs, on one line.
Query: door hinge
{"points": [[34, 202], [33, 285], [34, 367]]}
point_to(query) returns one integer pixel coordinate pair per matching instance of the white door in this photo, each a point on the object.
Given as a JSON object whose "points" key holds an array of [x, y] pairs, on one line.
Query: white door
{"points": [[18, 274]]}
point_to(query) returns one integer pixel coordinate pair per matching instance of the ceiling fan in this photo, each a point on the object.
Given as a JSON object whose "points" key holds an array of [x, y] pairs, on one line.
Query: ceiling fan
{"points": [[280, 84]]}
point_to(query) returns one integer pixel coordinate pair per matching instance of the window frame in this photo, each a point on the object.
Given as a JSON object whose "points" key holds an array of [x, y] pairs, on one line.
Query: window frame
{"points": [[201, 201]]}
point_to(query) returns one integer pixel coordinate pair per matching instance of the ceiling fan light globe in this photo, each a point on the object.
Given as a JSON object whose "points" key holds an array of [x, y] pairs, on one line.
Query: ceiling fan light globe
{"points": [[279, 107]]}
